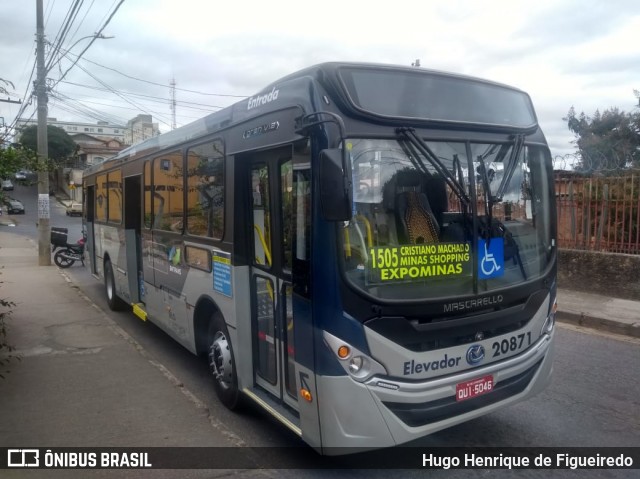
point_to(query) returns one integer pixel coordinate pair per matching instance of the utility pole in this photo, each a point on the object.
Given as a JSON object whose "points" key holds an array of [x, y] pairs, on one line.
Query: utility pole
{"points": [[44, 228]]}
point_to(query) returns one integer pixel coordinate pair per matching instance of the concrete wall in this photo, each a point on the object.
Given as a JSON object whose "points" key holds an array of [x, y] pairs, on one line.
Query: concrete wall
{"points": [[609, 274]]}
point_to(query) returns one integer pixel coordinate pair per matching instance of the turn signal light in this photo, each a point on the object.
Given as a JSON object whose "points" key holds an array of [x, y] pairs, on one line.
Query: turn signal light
{"points": [[306, 395], [343, 352]]}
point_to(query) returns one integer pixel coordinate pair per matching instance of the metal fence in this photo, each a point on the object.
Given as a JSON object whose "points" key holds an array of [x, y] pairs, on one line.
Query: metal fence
{"points": [[599, 213]]}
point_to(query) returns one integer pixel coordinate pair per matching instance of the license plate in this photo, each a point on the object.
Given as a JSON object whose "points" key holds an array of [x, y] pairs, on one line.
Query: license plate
{"points": [[473, 388]]}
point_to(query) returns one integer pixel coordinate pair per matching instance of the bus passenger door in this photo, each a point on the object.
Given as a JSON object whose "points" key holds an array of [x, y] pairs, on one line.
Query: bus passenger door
{"points": [[89, 202], [132, 231], [273, 317]]}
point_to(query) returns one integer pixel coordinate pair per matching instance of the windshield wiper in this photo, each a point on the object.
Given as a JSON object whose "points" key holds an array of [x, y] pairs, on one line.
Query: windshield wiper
{"points": [[511, 246], [422, 147], [488, 197], [510, 168]]}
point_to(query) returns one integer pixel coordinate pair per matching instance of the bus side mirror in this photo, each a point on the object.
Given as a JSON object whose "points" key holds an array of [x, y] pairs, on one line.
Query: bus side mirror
{"points": [[335, 186]]}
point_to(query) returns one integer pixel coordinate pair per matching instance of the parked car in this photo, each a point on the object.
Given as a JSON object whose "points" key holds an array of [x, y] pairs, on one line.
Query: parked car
{"points": [[74, 209], [14, 207], [7, 185], [21, 175]]}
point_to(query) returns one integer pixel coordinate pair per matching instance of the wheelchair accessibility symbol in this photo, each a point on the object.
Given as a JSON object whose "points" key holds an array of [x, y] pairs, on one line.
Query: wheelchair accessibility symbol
{"points": [[490, 258]]}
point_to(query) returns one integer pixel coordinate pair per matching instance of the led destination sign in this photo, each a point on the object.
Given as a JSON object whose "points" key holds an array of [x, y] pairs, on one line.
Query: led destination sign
{"points": [[418, 262]]}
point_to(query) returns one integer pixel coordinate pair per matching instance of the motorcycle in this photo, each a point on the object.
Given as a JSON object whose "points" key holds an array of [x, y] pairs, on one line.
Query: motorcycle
{"points": [[69, 253]]}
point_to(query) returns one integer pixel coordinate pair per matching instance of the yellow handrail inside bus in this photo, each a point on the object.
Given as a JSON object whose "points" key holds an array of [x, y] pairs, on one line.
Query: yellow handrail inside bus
{"points": [[347, 243], [267, 253], [347, 238], [368, 225]]}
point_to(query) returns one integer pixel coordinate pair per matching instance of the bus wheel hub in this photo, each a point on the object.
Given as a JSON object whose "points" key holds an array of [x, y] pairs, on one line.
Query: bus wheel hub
{"points": [[220, 360]]}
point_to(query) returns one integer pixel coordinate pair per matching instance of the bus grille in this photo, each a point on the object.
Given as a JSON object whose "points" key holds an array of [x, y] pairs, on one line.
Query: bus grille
{"points": [[419, 414], [419, 335]]}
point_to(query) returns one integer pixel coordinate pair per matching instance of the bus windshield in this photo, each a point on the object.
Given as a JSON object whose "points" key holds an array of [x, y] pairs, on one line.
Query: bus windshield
{"points": [[424, 226]]}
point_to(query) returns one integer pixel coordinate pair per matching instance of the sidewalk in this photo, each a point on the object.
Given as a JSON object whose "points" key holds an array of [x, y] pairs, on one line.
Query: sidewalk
{"points": [[5, 219], [83, 381], [619, 316]]}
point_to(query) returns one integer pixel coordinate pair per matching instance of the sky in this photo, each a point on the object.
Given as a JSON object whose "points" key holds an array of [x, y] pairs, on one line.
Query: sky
{"points": [[563, 53]]}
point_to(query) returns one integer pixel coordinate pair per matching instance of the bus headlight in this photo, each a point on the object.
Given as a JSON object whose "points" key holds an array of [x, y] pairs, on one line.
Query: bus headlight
{"points": [[550, 322], [357, 364]]}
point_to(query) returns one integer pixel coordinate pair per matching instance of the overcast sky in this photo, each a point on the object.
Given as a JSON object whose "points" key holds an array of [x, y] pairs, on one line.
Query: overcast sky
{"points": [[582, 53]]}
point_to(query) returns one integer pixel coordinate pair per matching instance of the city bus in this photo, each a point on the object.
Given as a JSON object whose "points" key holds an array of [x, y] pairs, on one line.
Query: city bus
{"points": [[338, 250]]}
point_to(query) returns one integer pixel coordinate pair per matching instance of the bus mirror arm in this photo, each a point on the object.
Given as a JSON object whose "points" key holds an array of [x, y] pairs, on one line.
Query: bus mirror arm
{"points": [[335, 186], [336, 191]]}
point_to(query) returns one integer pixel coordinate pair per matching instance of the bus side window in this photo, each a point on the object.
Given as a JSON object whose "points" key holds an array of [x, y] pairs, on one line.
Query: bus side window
{"points": [[101, 198], [114, 194], [205, 190], [148, 202], [168, 200]]}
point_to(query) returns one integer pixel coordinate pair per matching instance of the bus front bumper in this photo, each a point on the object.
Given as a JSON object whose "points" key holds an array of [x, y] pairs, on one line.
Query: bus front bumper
{"points": [[384, 412]]}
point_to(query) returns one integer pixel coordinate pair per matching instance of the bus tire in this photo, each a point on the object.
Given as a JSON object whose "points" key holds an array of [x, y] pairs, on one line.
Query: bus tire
{"points": [[114, 302], [222, 363]]}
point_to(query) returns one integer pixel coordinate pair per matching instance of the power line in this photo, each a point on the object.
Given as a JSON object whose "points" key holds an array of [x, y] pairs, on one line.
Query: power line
{"points": [[73, 36], [112, 90], [62, 33], [85, 110], [24, 105], [98, 33], [184, 103], [173, 103], [120, 95], [137, 109], [106, 13], [162, 85], [48, 14]]}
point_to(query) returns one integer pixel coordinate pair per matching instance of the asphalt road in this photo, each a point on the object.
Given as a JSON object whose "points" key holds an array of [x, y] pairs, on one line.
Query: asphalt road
{"points": [[26, 224], [592, 401]]}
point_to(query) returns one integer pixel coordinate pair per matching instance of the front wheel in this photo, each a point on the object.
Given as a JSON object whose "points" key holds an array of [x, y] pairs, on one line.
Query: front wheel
{"points": [[222, 363], [114, 302], [62, 260]]}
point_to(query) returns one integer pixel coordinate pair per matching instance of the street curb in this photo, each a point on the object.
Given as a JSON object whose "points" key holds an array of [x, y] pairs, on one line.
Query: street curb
{"points": [[600, 324], [63, 202]]}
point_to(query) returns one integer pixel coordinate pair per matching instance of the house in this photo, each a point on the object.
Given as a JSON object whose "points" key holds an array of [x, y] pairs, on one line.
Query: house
{"points": [[101, 129], [93, 149], [96, 143]]}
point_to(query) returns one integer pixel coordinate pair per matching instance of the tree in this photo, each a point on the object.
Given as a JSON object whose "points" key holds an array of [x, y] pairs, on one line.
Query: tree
{"points": [[3, 89], [10, 162], [7, 352], [61, 146], [608, 141]]}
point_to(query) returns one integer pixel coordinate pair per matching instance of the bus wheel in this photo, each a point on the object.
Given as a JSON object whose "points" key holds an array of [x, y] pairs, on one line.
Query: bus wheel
{"points": [[222, 364], [115, 303]]}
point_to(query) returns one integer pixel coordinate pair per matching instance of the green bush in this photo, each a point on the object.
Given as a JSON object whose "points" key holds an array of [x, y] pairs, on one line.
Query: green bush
{"points": [[6, 350]]}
